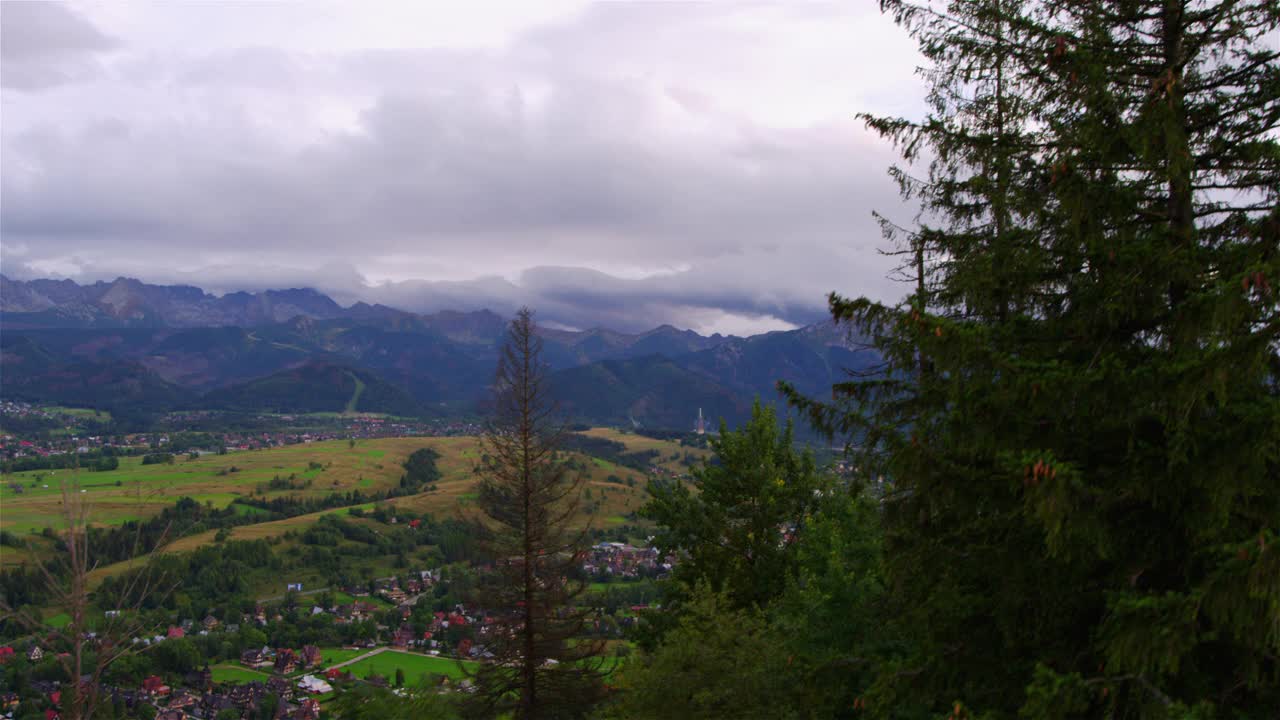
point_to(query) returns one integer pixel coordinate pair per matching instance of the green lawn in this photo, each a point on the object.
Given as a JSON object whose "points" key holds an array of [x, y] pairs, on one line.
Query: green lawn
{"points": [[337, 655], [236, 674], [415, 666]]}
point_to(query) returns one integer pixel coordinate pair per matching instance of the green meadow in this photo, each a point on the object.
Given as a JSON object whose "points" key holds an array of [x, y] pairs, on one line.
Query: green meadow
{"points": [[416, 667]]}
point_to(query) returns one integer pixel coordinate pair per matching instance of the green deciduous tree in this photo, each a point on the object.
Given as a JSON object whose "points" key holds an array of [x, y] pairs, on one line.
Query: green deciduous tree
{"points": [[778, 592], [1078, 414], [717, 662], [735, 527], [365, 702]]}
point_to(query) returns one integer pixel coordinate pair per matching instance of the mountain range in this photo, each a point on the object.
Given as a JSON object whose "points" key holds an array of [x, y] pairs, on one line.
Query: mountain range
{"points": [[131, 347]]}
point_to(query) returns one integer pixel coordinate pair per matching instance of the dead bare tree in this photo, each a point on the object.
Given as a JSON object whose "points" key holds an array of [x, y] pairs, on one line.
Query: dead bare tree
{"points": [[67, 574], [542, 666]]}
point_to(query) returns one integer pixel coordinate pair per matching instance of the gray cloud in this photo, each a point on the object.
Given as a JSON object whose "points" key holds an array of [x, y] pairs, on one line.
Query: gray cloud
{"points": [[614, 168], [43, 44]]}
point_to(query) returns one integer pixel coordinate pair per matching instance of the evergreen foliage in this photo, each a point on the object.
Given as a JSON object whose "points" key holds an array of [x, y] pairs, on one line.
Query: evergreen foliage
{"points": [[1078, 416], [736, 532], [774, 609], [717, 662]]}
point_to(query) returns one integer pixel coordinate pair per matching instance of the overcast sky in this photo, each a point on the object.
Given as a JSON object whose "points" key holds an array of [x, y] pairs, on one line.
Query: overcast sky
{"points": [[620, 165]]}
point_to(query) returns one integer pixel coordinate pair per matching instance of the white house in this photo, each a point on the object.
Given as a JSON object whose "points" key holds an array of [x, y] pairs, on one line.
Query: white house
{"points": [[314, 685]]}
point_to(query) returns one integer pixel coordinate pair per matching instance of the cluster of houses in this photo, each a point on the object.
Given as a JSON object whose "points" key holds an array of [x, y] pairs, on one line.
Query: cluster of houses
{"points": [[403, 593], [296, 677], [199, 698], [182, 629], [360, 427], [622, 561], [397, 591], [283, 661]]}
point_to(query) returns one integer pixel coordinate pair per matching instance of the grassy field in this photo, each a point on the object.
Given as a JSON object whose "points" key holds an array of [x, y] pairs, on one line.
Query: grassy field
{"points": [[143, 490], [236, 674], [10, 556], [330, 655], [86, 413], [416, 667], [137, 491], [640, 443]]}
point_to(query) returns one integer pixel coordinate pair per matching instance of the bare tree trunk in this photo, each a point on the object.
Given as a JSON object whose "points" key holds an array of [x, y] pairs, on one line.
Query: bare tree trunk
{"points": [[66, 576], [528, 503]]}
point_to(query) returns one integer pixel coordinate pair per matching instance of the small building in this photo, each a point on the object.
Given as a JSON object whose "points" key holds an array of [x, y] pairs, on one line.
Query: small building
{"points": [[308, 709], [277, 685], [403, 637], [154, 686], [286, 661], [314, 685], [182, 700]]}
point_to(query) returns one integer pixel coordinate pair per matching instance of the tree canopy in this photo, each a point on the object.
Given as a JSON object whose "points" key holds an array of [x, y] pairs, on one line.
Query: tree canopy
{"points": [[1077, 416]]}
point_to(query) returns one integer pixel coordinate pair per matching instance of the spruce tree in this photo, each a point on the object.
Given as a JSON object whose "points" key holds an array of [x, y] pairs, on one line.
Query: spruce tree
{"points": [[541, 666], [1078, 412]]}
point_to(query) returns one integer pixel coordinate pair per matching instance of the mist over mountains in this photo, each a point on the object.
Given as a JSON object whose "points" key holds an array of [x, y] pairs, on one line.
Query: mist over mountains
{"points": [[131, 347]]}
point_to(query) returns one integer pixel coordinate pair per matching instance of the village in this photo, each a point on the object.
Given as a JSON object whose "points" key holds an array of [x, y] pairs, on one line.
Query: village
{"points": [[399, 622], [65, 432]]}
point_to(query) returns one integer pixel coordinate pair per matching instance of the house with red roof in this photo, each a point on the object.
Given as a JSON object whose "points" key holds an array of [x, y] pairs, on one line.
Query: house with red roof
{"points": [[154, 685]]}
